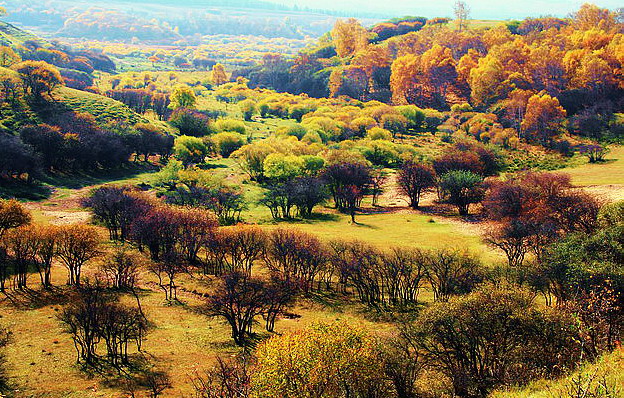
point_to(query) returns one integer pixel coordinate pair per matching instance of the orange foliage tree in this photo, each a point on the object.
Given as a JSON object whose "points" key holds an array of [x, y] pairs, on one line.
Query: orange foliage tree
{"points": [[543, 118], [39, 77]]}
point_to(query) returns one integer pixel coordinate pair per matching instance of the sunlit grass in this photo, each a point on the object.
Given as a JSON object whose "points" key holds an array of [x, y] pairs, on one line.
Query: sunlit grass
{"points": [[611, 171], [609, 368]]}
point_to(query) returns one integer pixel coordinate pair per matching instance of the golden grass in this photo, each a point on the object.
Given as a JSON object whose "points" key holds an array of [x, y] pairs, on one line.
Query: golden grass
{"points": [[41, 358], [610, 172]]}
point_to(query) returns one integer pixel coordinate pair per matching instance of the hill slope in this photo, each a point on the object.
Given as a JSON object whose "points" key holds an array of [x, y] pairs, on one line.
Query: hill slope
{"points": [[104, 109], [609, 371]]}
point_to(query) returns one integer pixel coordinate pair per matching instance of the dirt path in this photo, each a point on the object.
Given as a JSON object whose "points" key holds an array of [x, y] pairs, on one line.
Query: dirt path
{"points": [[608, 193], [62, 207]]}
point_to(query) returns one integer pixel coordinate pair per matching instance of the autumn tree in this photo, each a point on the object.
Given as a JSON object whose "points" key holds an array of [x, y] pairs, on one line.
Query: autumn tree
{"points": [[513, 237], [47, 239], [218, 75], [250, 158], [31, 246], [486, 81], [121, 268], [452, 273], [48, 141], [404, 272], [372, 59], [238, 299], [350, 81], [96, 316], [414, 179], [439, 70], [191, 122], [22, 247], [39, 77], [77, 245], [152, 141], [324, 360], [190, 150], [349, 37], [403, 77], [295, 256], [227, 379], [590, 16], [244, 246], [494, 337], [248, 108], [543, 118], [532, 210], [174, 238], [182, 96], [117, 208], [8, 57], [12, 215], [348, 183], [469, 155], [280, 296], [301, 193]]}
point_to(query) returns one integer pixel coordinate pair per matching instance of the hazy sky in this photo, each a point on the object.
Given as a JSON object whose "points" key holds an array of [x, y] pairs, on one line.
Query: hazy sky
{"points": [[481, 9]]}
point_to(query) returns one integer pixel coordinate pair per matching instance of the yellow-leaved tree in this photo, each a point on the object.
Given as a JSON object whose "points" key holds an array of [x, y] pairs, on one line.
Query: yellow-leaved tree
{"points": [[324, 360], [349, 37], [182, 97], [218, 75]]}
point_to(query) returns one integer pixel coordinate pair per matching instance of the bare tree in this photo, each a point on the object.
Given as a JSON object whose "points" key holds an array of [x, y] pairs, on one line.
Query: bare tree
{"points": [[121, 268], [239, 300], [96, 315], [295, 256], [451, 272], [227, 379], [244, 246], [156, 382], [415, 179], [280, 295], [462, 14], [404, 273], [167, 270]]}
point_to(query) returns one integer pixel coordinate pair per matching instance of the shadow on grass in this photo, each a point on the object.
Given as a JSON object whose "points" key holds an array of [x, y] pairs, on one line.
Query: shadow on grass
{"points": [[23, 190], [211, 166], [329, 299], [313, 219], [363, 225], [84, 179], [448, 211], [29, 299], [43, 188]]}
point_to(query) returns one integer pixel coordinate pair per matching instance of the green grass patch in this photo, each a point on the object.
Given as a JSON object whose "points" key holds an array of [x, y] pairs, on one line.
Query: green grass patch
{"points": [[104, 109], [395, 229], [609, 172]]}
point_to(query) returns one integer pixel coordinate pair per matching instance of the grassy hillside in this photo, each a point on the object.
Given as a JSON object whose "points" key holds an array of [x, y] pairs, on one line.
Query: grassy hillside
{"points": [[104, 109], [609, 370], [12, 36]]}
